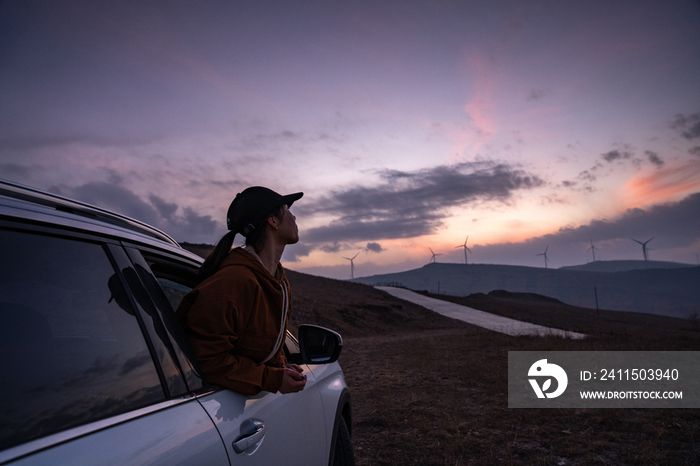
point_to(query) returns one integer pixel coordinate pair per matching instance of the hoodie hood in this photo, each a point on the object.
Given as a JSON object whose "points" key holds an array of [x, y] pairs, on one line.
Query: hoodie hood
{"points": [[246, 257]]}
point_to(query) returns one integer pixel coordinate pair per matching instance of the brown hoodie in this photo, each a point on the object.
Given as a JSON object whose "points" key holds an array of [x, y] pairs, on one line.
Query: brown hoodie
{"points": [[236, 321]]}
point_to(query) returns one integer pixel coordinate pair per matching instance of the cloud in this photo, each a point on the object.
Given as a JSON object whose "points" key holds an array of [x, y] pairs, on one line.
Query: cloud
{"points": [[664, 183], [654, 158], [586, 175], [693, 132], [111, 197], [680, 220], [294, 252], [480, 106], [331, 248], [694, 151], [688, 126], [535, 94], [191, 223], [676, 224], [374, 247], [615, 155], [32, 141], [673, 225], [14, 171], [182, 224], [165, 209], [410, 204]]}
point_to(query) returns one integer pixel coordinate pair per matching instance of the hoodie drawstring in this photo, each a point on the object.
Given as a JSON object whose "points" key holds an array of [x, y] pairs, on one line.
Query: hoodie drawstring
{"points": [[280, 337]]}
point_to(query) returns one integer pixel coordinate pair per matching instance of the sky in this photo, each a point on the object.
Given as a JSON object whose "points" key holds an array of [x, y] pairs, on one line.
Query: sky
{"points": [[410, 126]]}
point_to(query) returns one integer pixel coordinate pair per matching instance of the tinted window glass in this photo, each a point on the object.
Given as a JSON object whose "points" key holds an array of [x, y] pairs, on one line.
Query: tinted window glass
{"points": [[149, 267], [173, 291], [71, 349], [175, 278]]}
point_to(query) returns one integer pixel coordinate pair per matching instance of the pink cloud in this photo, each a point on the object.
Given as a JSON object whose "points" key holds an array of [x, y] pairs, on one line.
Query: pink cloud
{"points": [[663, 185], [480, 106]]}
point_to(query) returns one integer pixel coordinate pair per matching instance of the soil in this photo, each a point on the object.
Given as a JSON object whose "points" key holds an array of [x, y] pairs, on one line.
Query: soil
{"points": [[428, 390]]}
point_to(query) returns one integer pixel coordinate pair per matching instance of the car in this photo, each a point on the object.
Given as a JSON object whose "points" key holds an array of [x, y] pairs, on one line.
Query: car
{"points": [[96, 369]]}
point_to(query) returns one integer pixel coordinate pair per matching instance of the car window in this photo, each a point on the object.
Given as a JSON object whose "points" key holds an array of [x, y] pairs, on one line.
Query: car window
{"points": [[71, 348], [168, 281], [176, 279], [173, 291]]}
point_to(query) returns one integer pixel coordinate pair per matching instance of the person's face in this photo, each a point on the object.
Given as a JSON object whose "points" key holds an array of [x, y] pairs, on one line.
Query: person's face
{"points": [[288, 229]]}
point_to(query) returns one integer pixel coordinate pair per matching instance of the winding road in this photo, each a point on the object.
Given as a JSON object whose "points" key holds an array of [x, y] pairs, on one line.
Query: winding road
{"points": [[475, 317]]}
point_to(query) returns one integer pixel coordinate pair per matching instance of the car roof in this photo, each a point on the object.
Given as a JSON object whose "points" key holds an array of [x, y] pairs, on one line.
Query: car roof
{"points": [[32, 204]]}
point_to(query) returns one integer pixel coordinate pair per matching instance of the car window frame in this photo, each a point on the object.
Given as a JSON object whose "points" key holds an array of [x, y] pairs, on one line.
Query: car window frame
{"points": [[186, 359], [153, 327]]}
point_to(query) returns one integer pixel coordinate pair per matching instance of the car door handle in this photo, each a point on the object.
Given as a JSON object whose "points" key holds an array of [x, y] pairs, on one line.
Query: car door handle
{"points": [[249, 440]]}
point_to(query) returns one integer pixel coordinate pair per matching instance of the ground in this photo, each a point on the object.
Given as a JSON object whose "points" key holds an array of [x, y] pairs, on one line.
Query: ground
{"points": [[428, 390], [433, 391]]}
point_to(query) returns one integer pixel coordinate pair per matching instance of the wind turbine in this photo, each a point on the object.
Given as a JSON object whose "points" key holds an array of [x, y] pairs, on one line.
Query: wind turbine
{"points": [[644, 247], [592, 248], [465, 248], [545, 256], [352, 264], [432, 259]]}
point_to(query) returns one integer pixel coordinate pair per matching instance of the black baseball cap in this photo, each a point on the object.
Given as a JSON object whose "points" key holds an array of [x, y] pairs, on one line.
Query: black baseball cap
{"points": [[251, 207]]}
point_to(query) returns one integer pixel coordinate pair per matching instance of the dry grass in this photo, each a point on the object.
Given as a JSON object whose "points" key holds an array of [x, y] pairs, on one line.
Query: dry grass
{"points": [[428, 390], [433, 391], [440, 397]]}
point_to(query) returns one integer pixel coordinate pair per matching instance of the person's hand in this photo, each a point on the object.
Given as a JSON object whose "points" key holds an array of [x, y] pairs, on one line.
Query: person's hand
{"points": [[292, 379]]}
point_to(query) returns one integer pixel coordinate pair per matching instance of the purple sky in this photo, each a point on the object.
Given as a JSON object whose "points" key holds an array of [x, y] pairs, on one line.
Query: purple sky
{"points": [[408, 125]]}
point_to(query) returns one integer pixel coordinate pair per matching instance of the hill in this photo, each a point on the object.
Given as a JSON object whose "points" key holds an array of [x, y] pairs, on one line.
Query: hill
{"points": [[624, 266], [664, 291], [664, 288], [355, 309], [201, 249]]}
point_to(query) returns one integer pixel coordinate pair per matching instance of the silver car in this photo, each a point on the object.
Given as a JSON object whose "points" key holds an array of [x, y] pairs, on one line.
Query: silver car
{"points": [[96, 370]]}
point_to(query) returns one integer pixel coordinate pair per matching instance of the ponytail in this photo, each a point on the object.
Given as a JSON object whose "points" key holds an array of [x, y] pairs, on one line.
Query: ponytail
{"points": [[213, 261]]}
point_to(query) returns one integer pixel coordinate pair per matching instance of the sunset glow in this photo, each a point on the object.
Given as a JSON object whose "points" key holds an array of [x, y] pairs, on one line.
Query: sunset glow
{"points": [[408, 125], [664, 185]]}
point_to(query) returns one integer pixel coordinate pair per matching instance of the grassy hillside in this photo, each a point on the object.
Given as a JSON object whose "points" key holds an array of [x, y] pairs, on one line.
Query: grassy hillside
{"points": [[356, 310]]}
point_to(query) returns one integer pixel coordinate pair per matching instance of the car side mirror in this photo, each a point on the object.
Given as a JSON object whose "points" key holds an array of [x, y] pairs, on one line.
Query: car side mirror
{"points": [[319, 345]]}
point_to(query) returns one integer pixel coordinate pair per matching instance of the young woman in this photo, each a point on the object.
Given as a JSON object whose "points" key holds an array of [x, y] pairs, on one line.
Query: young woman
{"points": [[236, 318]]}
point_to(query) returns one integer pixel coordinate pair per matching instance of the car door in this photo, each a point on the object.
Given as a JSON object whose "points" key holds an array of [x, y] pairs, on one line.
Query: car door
{"points": [[269, 428], [79, 382], [177, 433]]}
